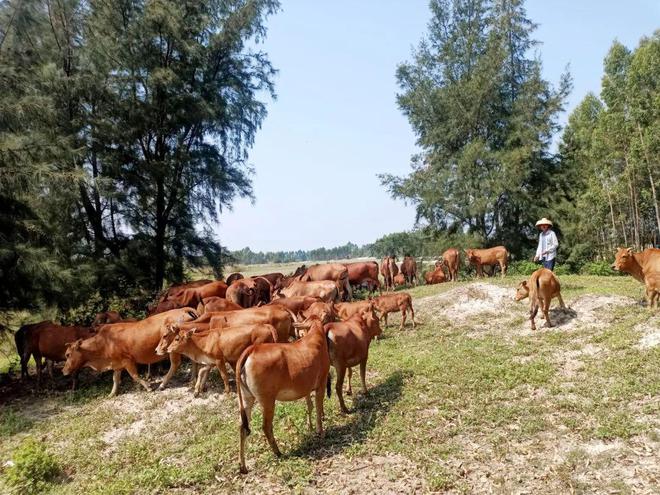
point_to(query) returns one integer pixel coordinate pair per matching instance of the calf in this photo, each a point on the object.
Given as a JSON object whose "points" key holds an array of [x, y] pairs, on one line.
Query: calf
{"points": [[436, 276], [393, 303], [217, 347], [542, 287], [266, 373], [345, 310], [323, 311], [497, 255], [122, 346], [399, 280], [645, 267], [349, 346]]}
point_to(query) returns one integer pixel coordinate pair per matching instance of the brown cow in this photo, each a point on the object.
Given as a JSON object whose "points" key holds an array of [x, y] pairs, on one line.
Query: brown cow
{"points": [[399, 280], [264, 290], [345, 310], [49, 340], [325, 290], [296, 304], [335, 272], [120, 346], [273, 278], [436, 276], [234, 276], [361, 271], [645, 267], [491, 257], [371, 285], [21, 337], [451, 260], [321, 310], [190, 297], [409, 270], [393, 303], [266, 373], [215, 304], [177, 289], [542, 287], [389, 270], [349, 346], [217, 347], [243, 292]]}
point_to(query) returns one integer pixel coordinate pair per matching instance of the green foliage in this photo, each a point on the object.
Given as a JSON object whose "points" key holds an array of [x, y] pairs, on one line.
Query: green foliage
{"points": [[484, 118], [601, 268], [33, 467], [522, 267], [131, 305], [562, 270]]}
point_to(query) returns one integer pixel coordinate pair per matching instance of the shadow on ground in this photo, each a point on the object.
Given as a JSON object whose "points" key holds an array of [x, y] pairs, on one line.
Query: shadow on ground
{"points": [[365, 415]]}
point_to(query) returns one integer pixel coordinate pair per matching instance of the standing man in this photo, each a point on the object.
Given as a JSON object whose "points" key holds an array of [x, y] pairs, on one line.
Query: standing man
{"points": [[548, 244]]}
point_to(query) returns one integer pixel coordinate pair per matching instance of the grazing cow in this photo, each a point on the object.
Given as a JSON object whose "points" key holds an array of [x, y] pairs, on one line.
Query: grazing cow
{"points": [[122, 346], [21, 338], [345, 310], [361, 271], [491, 257], [645, 267], [234, 276], [281, 318], [266, 373], [215, 304], [409, 270], [399, 280], [49, 340], [349, 346], [217, 347], [321, 310], [273, 278], [264, 290], [295, 304], [542, 287], [371, 285], [335, 272], [393, 303], [451, 260], [178, 289], [325, 290], [243, 292], [436, 276]]}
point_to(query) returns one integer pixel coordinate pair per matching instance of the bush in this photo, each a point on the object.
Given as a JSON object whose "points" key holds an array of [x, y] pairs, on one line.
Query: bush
{"points": [[562, 270], [131, 306], [522, 267], [33, 468], [601, 268]]}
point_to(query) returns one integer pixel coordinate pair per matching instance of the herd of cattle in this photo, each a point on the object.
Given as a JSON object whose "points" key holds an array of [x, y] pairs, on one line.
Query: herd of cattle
{"points": [[280, 334]]}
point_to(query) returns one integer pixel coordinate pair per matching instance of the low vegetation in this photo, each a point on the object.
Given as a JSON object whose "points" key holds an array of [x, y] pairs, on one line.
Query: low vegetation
{"points": [[470, 401]]}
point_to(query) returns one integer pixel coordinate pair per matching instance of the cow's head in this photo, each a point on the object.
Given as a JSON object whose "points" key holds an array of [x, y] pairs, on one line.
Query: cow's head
{"points": [[323, 311], [180, 339], [371, 322], [171, 330], [75, 359], [522, 291], [623, 260]]}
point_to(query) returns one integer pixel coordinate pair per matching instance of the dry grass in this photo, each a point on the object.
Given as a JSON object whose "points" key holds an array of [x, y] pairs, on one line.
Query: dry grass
{"points": [[472, 401]]}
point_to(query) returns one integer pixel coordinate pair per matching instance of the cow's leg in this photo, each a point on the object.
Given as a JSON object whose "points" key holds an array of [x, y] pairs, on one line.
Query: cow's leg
{"points": [[268, 408], [546, 312], [403, 316], [202, 375], [37, 360], [320, 394], [222, 367], [74, 381], [194, 372], [116, 380], [131, 367], [339, 387], [561, 301], [349, 390], [532, 313], [49, 367], [247, 402], [308, 400], [363, 375], [148, 377], [385, 316], [412, 314], [175, 362], [502, 268]]}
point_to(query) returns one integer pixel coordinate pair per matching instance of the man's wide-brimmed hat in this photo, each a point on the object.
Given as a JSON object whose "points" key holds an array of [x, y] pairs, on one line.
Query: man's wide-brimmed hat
{"points": [[544, 221]]}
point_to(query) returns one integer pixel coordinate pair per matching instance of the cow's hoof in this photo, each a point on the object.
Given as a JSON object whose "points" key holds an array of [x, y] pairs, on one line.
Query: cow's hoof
{"points": [[243, 470], [161, 388]]}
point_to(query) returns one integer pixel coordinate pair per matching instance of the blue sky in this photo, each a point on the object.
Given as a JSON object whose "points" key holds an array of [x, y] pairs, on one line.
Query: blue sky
{"points": [[335, 123]]}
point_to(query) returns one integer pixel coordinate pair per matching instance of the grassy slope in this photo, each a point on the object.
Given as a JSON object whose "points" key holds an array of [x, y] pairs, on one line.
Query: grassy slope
{"points": [[459, 412]]}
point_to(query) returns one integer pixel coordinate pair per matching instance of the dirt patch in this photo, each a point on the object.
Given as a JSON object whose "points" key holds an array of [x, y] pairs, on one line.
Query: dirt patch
{"points": [[389, 473], [650, 331]]}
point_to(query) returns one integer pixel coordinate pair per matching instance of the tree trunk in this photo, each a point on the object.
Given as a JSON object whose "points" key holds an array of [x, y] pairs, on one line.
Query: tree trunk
{"points": [[648, 168], [159, 241]]}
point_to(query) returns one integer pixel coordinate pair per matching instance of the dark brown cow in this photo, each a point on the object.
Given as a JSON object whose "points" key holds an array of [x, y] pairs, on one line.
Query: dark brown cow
{"points": [[264, 290], [497, 255], [451, 260], [349, 346], [243, 292], [177, 289], [122, 346], [273, 278], [21, 338], [361, 271], [409, 270], [266, 373]]}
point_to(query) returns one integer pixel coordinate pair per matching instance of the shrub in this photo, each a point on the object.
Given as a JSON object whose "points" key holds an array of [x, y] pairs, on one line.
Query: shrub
{"points": [[562, 270], [522, 267], [601, 268], [33, 468]]}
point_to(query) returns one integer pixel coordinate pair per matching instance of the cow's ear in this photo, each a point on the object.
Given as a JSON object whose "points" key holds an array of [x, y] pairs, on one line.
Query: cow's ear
{"points": [[524, 283], [629, 250]]}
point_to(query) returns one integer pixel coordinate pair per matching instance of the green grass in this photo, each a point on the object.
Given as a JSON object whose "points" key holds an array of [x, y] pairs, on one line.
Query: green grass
{"points": [[451, 404]]}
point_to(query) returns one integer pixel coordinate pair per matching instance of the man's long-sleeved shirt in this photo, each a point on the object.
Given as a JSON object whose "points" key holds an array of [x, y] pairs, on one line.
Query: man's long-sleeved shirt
{"points": [[548, 244]]}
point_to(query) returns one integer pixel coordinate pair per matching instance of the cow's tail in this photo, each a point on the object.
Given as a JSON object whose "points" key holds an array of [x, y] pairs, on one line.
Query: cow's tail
{"points": [[534, 288], [328, 381], [245, 424]]}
